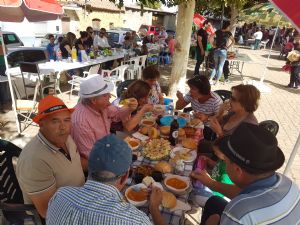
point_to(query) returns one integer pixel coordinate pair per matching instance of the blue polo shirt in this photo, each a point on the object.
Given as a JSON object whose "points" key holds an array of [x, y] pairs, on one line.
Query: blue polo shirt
{"points": [[274, 200]]}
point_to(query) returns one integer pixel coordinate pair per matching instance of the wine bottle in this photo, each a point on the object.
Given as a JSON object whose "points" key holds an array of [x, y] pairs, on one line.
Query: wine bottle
{"points": [[173, 137]]}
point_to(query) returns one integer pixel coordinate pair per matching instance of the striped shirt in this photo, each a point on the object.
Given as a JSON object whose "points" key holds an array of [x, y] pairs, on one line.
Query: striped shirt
{"points": [[88, 125], [93, 204], [210, 107], [262, 203]]}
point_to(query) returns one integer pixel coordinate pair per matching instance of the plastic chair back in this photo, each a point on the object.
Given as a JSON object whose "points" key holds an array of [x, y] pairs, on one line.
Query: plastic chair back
{"points": [[10, 191], [270, 125], [224, 94], [123, 87]]}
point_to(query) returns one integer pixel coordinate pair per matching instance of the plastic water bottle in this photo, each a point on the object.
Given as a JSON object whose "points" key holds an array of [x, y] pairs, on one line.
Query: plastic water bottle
{"points": [[58, 55], [171, 108], [79, 56], [74, 54], [201, 165]]}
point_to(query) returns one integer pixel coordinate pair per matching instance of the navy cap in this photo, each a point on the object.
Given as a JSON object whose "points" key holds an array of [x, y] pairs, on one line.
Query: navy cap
{"points": [[110, 154]]}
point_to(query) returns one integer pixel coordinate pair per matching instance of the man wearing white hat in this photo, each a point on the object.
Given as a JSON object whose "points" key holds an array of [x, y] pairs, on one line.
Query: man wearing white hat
{"points": [[94, 113]]}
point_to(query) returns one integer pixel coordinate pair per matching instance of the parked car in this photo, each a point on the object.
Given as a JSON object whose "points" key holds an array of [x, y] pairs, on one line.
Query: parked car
{"points": [[146, 30], [11, 39], [45, 40], [171, 32], [26, 54], [116, 36]]}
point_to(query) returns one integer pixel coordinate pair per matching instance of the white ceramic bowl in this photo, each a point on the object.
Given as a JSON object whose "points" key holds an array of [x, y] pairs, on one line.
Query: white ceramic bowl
{"points": [[135, 203], [133, 146], [175, 190]]}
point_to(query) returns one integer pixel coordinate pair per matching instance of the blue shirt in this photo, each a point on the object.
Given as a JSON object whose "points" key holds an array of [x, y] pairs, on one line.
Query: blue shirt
{"points": [[94, 203], [51, 52], [274, 200]]}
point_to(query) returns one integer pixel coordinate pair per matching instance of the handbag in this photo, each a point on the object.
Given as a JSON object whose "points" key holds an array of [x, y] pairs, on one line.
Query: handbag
{"points": [[287, 68]]}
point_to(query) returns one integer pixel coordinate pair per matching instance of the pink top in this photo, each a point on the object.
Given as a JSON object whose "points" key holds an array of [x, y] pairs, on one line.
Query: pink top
{"points": [[171, 46], [88, 125]]}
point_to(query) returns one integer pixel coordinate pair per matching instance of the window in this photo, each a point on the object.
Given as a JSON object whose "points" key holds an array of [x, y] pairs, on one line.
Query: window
{"points": [[27, 55], [96, 24], [10, 39], [113, 36], [111, 25]]}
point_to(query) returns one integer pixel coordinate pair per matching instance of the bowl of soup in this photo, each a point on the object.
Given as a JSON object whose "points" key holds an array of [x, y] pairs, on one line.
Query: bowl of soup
{"points": [[148, 123], [177, 184], [133, 143], [137, 194]]}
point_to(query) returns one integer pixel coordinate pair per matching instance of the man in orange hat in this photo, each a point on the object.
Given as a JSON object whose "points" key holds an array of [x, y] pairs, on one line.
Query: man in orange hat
{"points": [[50, 160]]}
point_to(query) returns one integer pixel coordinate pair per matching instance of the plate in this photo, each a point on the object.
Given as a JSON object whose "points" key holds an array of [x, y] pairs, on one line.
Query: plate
{"points": [[167, 120], [156, 149], [185, 154]]}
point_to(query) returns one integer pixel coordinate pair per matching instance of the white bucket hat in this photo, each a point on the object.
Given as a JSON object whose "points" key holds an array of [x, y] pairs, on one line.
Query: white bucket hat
{"points": [[95, 85]]}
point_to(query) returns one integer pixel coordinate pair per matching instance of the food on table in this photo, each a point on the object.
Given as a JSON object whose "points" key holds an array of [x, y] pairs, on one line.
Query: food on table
{"points": [[163, 167], [184, 154], [159, 109], [124, 102], [189, 143], [148, 181], [153, 132], [176, 183], [144, 130], [165, 130], [157, 176], [146, 170], [137, 196], [169, 200], [185, 116], [157, 149], [132, 142], [181, 133], [190, 131], [195, 122], [148, 123]]}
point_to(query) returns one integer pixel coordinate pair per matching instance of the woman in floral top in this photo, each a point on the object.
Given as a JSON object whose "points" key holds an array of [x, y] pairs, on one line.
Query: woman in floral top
{"points": [[151, 75]]}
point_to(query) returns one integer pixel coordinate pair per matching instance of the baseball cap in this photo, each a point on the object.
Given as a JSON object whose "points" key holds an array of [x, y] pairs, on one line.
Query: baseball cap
{"points": [[253, 148], [95, 85], [48, 106], [110, 154]]}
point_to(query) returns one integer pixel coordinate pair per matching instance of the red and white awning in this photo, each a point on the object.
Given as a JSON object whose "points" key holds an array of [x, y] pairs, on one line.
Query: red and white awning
{"points": [[32, 10]]}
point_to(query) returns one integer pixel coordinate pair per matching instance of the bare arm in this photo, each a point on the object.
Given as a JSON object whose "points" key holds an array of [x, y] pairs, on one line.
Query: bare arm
{"points": [[155, 201], [231, 38], [212, 40], [68, 48], [41, 200], [181, 103], [130, 124], [199, 39]]}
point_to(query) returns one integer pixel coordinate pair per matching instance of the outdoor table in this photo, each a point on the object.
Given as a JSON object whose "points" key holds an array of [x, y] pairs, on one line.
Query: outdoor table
{"points": [[57, 67], [175, 217], [237, 63]]}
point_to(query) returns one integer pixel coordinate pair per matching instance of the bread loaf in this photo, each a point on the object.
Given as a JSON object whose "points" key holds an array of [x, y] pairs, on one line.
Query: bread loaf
{"points": [[168, 200], [163, 167]]}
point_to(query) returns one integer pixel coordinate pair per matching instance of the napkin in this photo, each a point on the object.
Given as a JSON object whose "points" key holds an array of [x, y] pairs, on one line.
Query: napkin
{"points": [[140, 136], [180, 205]]}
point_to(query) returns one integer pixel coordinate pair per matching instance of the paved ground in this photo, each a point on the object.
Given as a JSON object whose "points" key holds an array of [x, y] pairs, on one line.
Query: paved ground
{"points": [[281, 105]]}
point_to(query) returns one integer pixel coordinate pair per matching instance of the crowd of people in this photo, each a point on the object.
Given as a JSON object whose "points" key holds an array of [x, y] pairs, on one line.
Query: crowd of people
{"points": [[75, 168]]}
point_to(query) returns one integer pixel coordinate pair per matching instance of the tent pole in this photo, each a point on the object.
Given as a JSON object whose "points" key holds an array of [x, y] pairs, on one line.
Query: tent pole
{"points": [[292, 156], [10, 83], [268, 59]]}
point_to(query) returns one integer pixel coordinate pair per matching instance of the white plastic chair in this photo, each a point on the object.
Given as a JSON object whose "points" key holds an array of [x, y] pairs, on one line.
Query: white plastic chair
{"points": [[133, 67], [26, 109], [76, 80], [117, 75]]}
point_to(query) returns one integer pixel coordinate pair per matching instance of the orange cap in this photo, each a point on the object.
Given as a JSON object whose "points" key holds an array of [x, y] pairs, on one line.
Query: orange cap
{"points": [[48, 106]]}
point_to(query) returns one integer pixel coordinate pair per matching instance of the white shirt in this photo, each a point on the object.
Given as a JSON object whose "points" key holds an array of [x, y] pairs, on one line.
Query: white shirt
{"points": [[101, 42], [258, 35]]}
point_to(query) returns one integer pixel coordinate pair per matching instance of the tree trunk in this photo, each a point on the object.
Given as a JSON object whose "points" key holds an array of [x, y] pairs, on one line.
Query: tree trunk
{"points": [[233, 18], [182, 47]]}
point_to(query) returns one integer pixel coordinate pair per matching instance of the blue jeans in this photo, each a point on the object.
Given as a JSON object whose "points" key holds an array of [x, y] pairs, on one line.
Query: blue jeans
{"points": [[220, 56]]}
